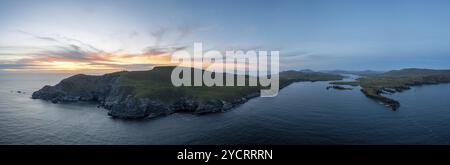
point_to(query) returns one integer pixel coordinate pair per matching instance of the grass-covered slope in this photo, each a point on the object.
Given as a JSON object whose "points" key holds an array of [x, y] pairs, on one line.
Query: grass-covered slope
{"points": [[156, 84]]}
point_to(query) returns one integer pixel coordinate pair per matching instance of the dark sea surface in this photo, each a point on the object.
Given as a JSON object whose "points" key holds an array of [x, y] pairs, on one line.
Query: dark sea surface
{"points": [[302, 113]]}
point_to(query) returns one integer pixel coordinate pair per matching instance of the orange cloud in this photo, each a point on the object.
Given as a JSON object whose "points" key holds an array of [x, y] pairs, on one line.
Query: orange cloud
{"points": [[94, 62]]}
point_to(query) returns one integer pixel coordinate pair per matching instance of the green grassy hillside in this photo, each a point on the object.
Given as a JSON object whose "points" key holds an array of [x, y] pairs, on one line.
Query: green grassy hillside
{"points": [[156, 84]]}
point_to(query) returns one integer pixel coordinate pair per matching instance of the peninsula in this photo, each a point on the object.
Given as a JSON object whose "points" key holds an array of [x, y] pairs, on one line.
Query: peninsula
{"points": [[140, 94], [375, 85]]}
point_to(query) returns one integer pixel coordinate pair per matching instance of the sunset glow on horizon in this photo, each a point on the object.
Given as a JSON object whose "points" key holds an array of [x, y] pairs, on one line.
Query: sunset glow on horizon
{"points": [[111, 35], [94, 62]]}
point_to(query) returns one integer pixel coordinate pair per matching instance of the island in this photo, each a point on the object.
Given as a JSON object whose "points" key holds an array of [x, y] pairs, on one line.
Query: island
{"points": [[375, 85], [337, 87], [141, 94]]}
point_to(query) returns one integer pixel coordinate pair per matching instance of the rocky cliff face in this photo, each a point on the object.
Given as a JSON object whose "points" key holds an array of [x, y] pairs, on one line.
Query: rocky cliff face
{"points": [[122, 102], [78, 88]]}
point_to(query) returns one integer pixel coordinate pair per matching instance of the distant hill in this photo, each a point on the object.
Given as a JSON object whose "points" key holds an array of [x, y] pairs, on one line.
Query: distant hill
{"points": [[140, 94], [415, 72], [306, 71], [360, 73]]}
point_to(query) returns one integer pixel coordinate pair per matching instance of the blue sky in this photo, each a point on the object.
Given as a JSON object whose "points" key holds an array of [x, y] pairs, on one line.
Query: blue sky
{"points": [[315, 34]]}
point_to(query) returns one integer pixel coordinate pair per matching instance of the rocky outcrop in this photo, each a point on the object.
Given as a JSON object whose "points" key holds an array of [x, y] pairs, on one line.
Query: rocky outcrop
{"points": [[78, 88]]}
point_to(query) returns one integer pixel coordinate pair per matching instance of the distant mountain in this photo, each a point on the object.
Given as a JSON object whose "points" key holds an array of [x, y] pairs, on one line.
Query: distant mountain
{"points": [[414, 72]]}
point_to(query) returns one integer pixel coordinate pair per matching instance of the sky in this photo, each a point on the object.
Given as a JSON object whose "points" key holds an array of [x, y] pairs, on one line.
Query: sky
{"points": [[104, 35]]}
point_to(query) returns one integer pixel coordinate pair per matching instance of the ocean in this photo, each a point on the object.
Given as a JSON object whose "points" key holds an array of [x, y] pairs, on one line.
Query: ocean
{"points": [[302, 113]]}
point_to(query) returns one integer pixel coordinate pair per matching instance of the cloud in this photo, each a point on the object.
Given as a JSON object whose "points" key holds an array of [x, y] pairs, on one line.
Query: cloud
{"points": [[158, 35], [133, 34], [12, 66], [72, 54], [88, 46], [39, 37], [185, 31], [164, 35], [158, 50]]}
